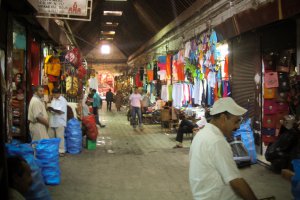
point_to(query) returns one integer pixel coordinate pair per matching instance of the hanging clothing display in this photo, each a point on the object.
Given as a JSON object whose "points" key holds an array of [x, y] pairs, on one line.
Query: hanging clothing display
{"points": [[164, 93], [177, 95], [93, 83], [187, 49], [168, 66], [198, 92], [170, 90], [155, 69], [150, 75], [162, 75], [141, 73], [138, 82]]}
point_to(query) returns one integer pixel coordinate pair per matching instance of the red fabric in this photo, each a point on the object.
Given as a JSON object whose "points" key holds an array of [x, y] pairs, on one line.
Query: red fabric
{"points": [[138, 82], [168, 65], [81, 72], [35, 63], [90, 123], [226, 71]]}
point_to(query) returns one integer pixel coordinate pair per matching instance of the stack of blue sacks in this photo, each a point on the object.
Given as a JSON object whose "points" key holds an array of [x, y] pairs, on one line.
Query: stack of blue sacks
{"points": [[47, 155], [73, 135], [38, 189]]}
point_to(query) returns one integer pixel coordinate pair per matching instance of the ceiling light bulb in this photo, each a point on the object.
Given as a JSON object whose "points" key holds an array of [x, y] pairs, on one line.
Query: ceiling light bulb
{"points": [[105, 49]]}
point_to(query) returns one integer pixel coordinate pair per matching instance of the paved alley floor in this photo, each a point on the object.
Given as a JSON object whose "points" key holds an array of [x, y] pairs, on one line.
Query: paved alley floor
{"points": [[141, 165]]}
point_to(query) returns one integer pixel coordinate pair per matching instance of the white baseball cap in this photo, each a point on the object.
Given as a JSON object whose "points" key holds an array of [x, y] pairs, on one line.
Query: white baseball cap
{"points": [[229, 105]]}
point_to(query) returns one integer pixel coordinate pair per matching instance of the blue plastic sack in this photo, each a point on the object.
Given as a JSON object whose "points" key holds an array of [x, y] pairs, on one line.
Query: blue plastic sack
{"points": [[73, 135], [296, 179], [246, 133], [38, 189], [47, 155]]}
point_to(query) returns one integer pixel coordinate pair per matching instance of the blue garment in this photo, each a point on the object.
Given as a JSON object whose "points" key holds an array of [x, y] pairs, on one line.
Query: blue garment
{"points": [[162, 59], [136, 111], [96, 100]]}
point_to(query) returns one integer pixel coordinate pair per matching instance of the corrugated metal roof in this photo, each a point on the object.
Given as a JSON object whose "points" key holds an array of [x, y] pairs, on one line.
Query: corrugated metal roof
{"points": [[141, 20]]}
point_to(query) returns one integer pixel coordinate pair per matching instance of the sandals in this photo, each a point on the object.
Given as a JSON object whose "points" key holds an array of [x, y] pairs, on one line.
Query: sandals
{"points": [[177, 146]]}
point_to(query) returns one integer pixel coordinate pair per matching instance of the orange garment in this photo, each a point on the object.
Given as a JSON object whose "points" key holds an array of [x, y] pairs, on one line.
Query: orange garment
{"points": [[150, 75], [226, 71], [216, 96], [168, 66], [180, 71]]}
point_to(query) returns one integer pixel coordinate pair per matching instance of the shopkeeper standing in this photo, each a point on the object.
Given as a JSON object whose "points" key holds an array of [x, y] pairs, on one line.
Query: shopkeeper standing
{"points": [[37, 115], [58, 119]]}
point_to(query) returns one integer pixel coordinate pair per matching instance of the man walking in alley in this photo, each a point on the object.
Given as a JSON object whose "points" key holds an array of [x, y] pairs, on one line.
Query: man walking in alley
{"points": [[109, 99], [37, 116], [213, 173], [135, 106], [58, 119], [96, 105]]}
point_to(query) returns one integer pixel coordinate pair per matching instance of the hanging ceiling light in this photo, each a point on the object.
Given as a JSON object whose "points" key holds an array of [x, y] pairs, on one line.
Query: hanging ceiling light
{"points": [[105, 49], [112, 13]]}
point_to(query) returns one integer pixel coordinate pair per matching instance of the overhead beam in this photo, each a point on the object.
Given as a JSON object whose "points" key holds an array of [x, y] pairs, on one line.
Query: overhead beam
{"points": [[184, 16]]}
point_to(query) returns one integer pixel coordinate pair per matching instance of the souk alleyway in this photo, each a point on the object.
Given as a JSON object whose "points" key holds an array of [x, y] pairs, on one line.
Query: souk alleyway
{"points": [[142, 165]]}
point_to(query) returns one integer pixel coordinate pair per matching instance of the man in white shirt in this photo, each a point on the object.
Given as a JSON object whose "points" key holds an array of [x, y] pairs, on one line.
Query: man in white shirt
{"points": [[135, 106], [58, 119], [213, 173]]}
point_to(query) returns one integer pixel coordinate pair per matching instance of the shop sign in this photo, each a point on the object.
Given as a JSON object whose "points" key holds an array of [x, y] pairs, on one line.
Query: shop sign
{"points": [[61, 7]]}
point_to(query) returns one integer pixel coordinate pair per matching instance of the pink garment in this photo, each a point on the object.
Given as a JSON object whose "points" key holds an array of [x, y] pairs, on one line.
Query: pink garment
{"points": [[135, 100], [162, 66]]}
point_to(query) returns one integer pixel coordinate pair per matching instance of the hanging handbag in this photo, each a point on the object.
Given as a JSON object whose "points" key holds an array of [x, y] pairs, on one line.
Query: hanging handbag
{"points": [[271, 80], [284, 69], [284, 85], [269, 93], [268, 131], [282, 107], [72, 85], [45, 80], [279, 118], [270, 107], [269, 121]]}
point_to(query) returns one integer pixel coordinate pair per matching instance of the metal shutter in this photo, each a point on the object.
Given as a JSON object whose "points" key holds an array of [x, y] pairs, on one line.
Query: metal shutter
{"points": [[244, 64]]}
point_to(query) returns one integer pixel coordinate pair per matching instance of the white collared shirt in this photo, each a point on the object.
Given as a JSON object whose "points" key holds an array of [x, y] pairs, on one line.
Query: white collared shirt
{"points": [[58, 120], [212, 166]]}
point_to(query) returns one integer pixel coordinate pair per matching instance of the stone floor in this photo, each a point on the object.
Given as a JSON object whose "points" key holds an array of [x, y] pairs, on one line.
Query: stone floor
{"points": [[141, 165]]}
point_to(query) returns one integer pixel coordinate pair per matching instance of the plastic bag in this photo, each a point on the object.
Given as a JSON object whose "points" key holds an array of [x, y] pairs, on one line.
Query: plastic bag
{"points": [[38, 189], [247, 137], [73, 136], [47, 155], [296, 179], [90, 123]]}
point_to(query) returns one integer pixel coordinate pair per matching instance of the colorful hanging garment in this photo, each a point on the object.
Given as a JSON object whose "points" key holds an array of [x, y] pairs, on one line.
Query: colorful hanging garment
{"points": [[150, 75], [169, 65], [177, 95]]}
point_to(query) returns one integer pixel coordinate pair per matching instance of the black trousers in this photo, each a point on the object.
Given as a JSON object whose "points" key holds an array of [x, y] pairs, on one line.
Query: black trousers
{"points": [[109, 105], [182, 130], [95, 112]]}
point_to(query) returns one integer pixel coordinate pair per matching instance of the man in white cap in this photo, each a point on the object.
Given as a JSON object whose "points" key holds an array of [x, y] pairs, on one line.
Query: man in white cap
{"points": [[213, 173]]}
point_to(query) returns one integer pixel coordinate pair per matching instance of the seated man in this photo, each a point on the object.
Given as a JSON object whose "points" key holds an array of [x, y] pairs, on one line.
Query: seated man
{"points": [[185, 126], [19, 177]]}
